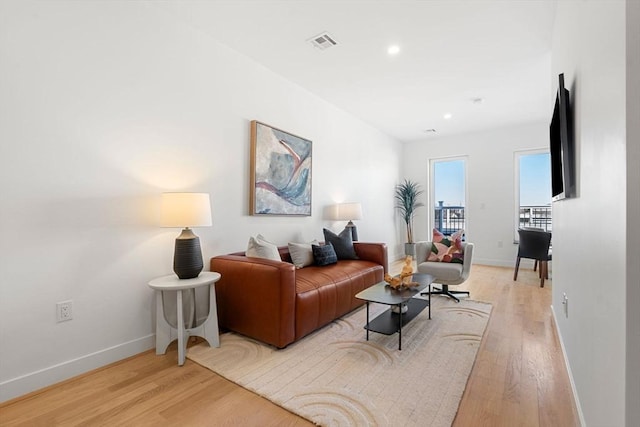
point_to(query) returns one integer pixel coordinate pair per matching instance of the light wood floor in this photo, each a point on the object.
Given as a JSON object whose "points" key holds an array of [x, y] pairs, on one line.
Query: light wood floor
{"points": [[519, 378]]}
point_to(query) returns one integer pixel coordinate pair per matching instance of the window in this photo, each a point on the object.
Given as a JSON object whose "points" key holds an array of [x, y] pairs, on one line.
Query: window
{"points": [[533, 187], [448, 195]]}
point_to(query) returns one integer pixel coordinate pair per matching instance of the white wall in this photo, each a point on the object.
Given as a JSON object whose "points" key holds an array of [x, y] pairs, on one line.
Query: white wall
{"points": [[633, 213], [589, 232], [490, 157], [103, 106]]}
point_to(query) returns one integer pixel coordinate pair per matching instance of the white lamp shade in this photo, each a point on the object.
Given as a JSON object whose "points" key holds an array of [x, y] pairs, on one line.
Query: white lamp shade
{"points": [[347, 211], [186, 210]]}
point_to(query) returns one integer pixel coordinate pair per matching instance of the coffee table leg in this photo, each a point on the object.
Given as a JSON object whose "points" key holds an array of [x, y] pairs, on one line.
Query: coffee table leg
{"points": [[429, 299], [367, 326]]}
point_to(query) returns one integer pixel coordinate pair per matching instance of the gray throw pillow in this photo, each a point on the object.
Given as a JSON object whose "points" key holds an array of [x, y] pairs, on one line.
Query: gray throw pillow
{"points": [[342, 243], [301, 253], [324, 255]]}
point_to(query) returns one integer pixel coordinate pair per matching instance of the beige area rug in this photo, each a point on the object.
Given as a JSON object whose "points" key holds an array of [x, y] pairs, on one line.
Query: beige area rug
{"points": [[334, 377]]}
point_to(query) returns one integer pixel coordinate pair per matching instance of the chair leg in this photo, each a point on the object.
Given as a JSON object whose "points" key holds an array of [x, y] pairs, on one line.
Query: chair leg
{"points": [[546, 270], [543, 272], [535, 264], [445, 291], [515, 273]]}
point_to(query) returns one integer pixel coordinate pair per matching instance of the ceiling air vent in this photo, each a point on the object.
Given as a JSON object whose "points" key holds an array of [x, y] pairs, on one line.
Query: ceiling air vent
{"points": [[323, 41]]}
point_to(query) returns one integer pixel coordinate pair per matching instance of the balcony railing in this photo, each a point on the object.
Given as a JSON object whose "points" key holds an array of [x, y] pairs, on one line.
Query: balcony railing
{"points": [[535, 217], [449, 219]]}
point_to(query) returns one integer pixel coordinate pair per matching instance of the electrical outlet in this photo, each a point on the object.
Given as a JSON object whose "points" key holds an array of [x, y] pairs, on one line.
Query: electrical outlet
{"points": [[565, 303], [64, 311]]}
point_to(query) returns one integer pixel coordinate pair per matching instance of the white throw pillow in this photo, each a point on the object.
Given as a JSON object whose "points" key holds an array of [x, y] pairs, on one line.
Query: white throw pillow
{"points": [[301, 253], [258, 247]]}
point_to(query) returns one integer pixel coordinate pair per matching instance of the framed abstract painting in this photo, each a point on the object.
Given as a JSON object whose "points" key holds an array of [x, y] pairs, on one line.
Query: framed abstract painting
{"points": [[280, 172]]}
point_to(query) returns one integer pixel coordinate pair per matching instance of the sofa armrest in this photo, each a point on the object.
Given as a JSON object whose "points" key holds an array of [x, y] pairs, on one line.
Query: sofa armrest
{"points": [[256, 297], [374, 252]]}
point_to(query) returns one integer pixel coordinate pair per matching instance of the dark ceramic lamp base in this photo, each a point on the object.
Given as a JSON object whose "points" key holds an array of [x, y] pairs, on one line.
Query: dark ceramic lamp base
{"points": [[354, 231], [187, 258]]}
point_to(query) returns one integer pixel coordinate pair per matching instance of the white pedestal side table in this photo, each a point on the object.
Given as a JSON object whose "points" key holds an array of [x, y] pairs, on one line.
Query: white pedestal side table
{"points": [[165, 333]]}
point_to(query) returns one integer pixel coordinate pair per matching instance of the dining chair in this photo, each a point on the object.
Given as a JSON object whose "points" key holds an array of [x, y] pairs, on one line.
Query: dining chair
{"points": [[534, 244]]}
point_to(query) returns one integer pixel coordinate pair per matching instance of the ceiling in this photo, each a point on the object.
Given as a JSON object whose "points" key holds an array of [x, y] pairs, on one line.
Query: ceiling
{"points": [[451, 53]]}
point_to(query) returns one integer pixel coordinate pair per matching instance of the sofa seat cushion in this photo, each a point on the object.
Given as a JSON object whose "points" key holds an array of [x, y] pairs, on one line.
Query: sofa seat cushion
{"points": [[326, 293], [315, 277], [442, 270]]}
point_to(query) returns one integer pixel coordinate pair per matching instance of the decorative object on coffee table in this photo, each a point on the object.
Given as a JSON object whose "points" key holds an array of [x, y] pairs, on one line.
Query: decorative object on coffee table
{"points": [[280, 172], [403, 280], [186, 210], [348, 212]]}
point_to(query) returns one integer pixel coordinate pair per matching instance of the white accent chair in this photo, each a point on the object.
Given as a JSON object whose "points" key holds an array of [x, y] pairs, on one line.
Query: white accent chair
{"points": [[445, 273]]}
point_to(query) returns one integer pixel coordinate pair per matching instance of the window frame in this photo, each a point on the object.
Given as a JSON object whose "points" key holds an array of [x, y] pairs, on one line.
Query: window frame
{"points": [[431, 194], [516, 187]]}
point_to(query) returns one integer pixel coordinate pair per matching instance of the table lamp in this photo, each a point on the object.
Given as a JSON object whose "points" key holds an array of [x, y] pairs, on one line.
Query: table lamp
{"points": [[348, 212], [186, 210]]}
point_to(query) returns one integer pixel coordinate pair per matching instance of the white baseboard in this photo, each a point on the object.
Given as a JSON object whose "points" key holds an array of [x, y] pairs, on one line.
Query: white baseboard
{"points": [[566, 363], [33, 381], [494, 262]]}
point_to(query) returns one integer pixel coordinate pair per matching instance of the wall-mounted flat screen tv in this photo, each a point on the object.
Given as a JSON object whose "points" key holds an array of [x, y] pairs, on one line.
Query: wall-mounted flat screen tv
{"points": [[561, 146]]}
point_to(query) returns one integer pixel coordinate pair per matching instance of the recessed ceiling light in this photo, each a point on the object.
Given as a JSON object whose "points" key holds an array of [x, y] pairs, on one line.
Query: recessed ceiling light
{"points": [[393, 49], [447, 116]]}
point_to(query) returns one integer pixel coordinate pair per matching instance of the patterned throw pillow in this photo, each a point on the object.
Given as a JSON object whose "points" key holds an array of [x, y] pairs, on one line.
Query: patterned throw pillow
{"points": [[342, 243], [447, 248], [324, 255]]}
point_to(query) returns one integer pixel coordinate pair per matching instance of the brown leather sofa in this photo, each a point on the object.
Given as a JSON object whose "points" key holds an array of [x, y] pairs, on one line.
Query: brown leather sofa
{"points": [[276, 303]]}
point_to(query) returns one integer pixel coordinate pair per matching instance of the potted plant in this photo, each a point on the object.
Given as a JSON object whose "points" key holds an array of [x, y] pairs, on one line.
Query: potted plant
{"points": [[407, 202]]}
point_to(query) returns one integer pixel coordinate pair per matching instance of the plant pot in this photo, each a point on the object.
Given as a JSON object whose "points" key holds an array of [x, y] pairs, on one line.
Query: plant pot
{"points": [[410, 249]]}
